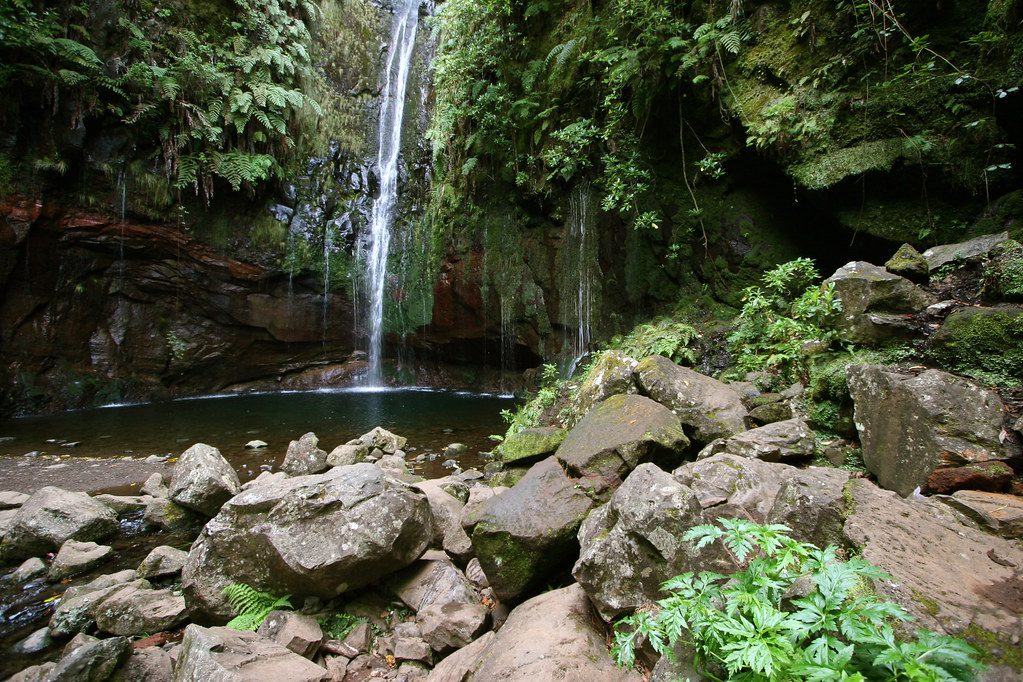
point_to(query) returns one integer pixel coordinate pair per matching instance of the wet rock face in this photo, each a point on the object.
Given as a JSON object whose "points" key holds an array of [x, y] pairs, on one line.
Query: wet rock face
{"points": [[315, 535], [911, 425]]}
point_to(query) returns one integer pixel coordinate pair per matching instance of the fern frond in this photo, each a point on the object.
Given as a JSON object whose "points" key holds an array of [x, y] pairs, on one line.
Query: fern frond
{"points": [[252, 605]]}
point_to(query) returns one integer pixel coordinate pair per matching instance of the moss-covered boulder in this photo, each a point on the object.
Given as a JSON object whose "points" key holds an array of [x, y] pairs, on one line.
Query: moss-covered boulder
{"points": [[616, 436], [909, 263], [531, 444], [526, 533], [874, 302], [612, 374], [983, 343], [705, 405], [1003, 274]]}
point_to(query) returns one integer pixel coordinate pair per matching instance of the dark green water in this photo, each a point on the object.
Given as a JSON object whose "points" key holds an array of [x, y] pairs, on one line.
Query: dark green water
{"points": [[430, 419]]}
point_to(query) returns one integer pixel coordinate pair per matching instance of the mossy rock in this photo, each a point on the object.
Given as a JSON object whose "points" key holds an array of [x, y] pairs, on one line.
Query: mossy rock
{"points": [[531, 444], [909, 263], [1003, 276], [983, 343]]}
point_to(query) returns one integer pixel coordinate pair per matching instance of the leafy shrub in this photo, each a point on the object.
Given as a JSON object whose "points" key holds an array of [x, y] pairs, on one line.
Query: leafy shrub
{"points": [[746, 626], [664, 336], [338, 625], [528, 415], [781, 318], [252, 606]]}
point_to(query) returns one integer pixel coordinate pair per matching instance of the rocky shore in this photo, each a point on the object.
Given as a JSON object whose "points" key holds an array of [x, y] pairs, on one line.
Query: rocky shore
{"points": [[518, 572]]}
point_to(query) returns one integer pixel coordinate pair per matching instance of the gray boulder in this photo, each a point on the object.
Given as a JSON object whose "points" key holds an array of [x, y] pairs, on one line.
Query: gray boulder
{"points": [[449, 614], [125, 504], [612, 374], [348, 454], [203, 480], [222, 654], [873, 301], [554, 636], [135, 609], [634, 543], [155, 487], [999, 513], [287, 537], [75, 612], [446, 510], [77, 557], [530, 445], [162, 562], [617, 435], [35, 673], [11, 499], [29, 569], [294, 631], [93, 662], [50, 517], [304, 457], [162, 513], [785, 441], [529, 530], [911, 425], [383, 439], [706, 406], [34, 643], [936, 256], [734, 486]]}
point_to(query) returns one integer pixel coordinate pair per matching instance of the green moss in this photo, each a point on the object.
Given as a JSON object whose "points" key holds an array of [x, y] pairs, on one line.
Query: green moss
{"points": [[1003, 277], [828, 169], [983, 343], [929, 604], [994, 648]]}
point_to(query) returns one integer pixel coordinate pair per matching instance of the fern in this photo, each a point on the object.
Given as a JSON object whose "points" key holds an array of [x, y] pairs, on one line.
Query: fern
{"points": [[252, 606]]}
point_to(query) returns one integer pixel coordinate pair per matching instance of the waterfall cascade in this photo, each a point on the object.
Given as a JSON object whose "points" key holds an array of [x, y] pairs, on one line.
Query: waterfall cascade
{"points": [[392, 106], [580, 285]]}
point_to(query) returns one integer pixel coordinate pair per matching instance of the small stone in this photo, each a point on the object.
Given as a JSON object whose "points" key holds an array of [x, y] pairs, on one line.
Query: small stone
{"points": [[156, 459], [909, 263], [455, 450], [295, 631], [359, 639], [449, 464], [72, 444], [34, 453], [9, 499], [256, 444], [78, 557], [941, 308], [29, 569], [35, 642], [124, 504], [162, 562], [154, 486], [79, 640], [412, 649]]}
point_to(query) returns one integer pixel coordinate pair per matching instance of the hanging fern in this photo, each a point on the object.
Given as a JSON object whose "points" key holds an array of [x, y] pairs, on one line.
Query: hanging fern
{"points": [[252, 605]]}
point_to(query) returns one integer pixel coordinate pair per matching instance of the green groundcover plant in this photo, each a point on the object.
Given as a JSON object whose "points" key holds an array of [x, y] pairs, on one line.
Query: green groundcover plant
{"points": [[791, 612]]}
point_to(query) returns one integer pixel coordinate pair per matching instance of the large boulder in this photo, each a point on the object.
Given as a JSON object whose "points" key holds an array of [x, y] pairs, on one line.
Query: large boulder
{"points": [[554, 636], [633, 543], [784, 441], [446, 510], [911, 425], [612, 374], [134, 609], [304, 457], [530, 445], [75, 611], [706, 406], [231, 656], [162, 562], [617, 435], [873, 300], [315, 535], [52, 516], [383, 439], [449, 613], [529, 530], [203, 480], [732, 486], [92, 662]]}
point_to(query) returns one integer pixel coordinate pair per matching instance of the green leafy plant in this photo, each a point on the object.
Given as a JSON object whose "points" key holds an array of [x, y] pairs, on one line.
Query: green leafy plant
{"points": [[665, 336], [781, 319], [750, 627], [252, 606], [338, 625], [528, 414]]}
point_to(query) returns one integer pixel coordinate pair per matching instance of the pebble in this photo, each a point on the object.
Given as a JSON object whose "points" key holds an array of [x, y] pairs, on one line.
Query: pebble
{"points": [[155, 459], [34, 453], [266, 467], [256, 444], [72, 444]]}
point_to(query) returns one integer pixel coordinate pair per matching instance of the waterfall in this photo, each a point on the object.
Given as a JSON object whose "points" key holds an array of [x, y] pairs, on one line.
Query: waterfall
{"points": [[581, 272], [396, 72]]}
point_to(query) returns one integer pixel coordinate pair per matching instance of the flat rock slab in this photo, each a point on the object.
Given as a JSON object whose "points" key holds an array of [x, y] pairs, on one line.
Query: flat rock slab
{"points": [[529, 530], [11, 499], [554, 636], [948, 575], [1000, 513], [616, 436], [707, 408], [222, 654], [936, 256], [162, 562], [790, 440]]}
